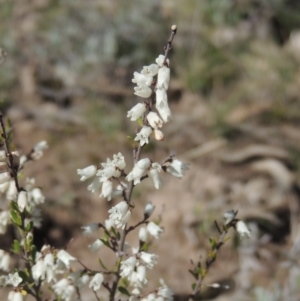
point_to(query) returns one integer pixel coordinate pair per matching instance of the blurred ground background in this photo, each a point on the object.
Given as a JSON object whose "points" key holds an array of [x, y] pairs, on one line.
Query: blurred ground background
{"points": [[235, 98]]}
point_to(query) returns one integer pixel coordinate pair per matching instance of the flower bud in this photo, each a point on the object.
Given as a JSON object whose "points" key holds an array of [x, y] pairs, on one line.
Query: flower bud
{"points": [[143, 234], [159, 136], [149, 208], [22, 200]]}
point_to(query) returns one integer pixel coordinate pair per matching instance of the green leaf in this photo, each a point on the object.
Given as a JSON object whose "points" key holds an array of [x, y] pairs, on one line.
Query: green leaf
{"points": [[16, 248], [113, 230], [194, 274], [16, 217], [213, 243], [123, 291], [14, 206], [29, 226], [102, 264], [33, 251], [105, 242], [24, 276], [193, 286]]}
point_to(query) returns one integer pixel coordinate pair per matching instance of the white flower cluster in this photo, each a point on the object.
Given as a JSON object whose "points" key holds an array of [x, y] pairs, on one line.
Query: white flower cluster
{"points": [[102, 177], [145, 80], [48, 266]]}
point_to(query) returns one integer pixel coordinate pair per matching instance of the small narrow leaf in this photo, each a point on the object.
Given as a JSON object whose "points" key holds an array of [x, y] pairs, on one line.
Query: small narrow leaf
{"points": [[16, 246], [15, 217], [102, 264], [123, 291], [213, 243]]}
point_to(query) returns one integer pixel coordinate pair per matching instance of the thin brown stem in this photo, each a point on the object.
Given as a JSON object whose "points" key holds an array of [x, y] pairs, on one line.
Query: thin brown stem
{"points": [[11, 164], [127, 196]]}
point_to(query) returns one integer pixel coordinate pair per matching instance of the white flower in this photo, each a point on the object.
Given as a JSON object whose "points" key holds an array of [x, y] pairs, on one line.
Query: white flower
{"points": [[95, 186], [4, 220], [229, 216], [11, 192], [159, 61], [118, 191], [119, 161], [177, 168], [143, 234], [38, 270], [41, 146], [87, 172], [96, 282], [120, 214], [4, 177], [143, 135], [162, 105], [49, 262], [147, 259], [107, 189], [109, 223], [15, 296], [82, 280], [163, 78], [150, 70], [64, 289], [138, 171], [124, 220], [142, 91], [88, 229], [96, 245], [149, 208], [242, 229], [165, 292], [65, 257], [128, 266], [154, 229], [154, 175], [137, 111], [143, 163], [4, 261], [14, 279], [142, 79], [110, 170], [154, 120], [138, 277], [22, 200], [37, 196]]}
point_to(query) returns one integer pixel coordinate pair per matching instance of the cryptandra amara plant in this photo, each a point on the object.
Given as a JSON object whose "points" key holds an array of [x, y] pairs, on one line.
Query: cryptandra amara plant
{"points": [[50, 267]]}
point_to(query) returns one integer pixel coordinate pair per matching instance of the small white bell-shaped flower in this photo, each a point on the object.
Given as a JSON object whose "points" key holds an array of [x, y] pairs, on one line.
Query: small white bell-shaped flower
{"points": [[96, 281], [154, 174], [149, 208], [150, 70], [136, 112], [143, 135], [160, 60], [154, 229], [142, 91], [163, 78], [154, 120], [242, 229], [177, 168], [128, 266], [107, 189], [162, 105], [138, 170], [142, 79], [87, 172]]}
